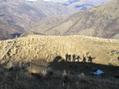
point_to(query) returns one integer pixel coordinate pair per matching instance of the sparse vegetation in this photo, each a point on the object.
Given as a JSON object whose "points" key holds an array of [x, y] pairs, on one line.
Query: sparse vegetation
{"points": [[37, 61], [29, 62], [36, 47]]}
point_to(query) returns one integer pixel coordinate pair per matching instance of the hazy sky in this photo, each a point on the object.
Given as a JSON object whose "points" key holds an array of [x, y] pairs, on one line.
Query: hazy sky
{"points": [[52, 0], [57, 0], [72, 1], [31, 0]]}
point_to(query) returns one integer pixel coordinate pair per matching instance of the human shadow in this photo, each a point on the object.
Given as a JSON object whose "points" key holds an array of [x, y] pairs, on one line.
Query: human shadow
{"points": [[20, 78], [88, 68]]}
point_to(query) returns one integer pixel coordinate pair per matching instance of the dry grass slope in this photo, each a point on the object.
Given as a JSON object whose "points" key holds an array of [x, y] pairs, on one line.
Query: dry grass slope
{"points": [[38, 49], [34, 47]]}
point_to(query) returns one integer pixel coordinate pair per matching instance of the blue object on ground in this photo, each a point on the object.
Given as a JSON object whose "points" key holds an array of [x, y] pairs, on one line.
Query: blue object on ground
{"points": [[98, 72]]}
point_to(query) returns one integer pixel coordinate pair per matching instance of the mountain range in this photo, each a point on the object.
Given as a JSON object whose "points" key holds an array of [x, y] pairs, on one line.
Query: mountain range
{"points": [[85, 17], [98, 21]]}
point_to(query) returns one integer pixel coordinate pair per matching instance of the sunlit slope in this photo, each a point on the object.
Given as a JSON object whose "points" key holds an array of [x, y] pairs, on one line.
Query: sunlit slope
{"points": [[48, 47], [101, 21]]}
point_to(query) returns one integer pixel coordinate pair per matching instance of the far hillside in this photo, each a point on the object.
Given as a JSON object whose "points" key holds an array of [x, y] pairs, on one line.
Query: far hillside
{"points": [[51, 18]]}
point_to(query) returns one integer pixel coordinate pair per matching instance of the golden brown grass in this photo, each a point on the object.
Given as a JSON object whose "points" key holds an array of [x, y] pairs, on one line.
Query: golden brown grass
{"points": [[34, 47], [40, 51]]}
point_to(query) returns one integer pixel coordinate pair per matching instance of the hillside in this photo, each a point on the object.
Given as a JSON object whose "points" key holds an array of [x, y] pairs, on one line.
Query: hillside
{"points": [[101, 21], [6, 31], [21, 15], [77, 17], [40, 62], [59, 44], [46, 48]]}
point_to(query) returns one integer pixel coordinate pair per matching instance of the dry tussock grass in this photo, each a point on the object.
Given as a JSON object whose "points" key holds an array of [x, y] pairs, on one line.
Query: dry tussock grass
{"points": [[40, 51], [36, 47]]}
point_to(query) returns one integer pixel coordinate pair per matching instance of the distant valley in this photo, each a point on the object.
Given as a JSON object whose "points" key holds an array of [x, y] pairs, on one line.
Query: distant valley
{"points": [[51, 18]]}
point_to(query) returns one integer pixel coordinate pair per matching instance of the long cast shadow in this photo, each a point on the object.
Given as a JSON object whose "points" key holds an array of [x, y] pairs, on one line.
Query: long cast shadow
{"points": [[18, 78], [58, 64]]}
